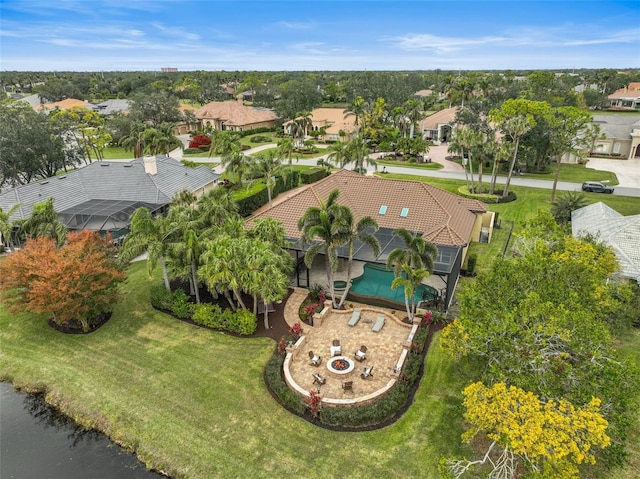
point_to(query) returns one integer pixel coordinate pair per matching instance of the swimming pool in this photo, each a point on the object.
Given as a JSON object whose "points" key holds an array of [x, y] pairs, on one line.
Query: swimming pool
{"points": [[376, 281]]}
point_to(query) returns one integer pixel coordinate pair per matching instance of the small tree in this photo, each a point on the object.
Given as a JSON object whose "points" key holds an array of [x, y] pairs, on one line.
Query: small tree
{"points": [[75, 282]]}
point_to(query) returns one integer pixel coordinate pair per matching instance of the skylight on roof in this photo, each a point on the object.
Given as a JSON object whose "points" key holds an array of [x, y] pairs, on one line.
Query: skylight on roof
{"points": [[404, 212], [383, 210]]}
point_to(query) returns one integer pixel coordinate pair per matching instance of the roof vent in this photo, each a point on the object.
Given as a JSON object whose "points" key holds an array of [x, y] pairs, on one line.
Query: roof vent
{"points": [[62, 177], [383, 210], [128, 165], [404, 212], [44, 182], [104, 164]]}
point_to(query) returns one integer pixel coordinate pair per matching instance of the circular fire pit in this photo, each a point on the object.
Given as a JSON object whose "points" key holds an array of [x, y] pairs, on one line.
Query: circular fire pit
{"points": [[340, 365]]}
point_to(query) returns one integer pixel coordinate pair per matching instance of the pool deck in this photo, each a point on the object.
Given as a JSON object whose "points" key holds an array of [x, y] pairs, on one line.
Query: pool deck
{"points": [[385, 349]]}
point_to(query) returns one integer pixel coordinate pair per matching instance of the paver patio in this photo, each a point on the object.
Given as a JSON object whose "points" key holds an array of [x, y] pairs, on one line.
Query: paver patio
{"points": [[383, 348]]}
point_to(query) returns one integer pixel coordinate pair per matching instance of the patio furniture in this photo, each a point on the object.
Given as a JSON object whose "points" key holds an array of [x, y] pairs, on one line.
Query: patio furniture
{"points": [[336, 349], [347, 386], [361, 354], [317, 379], [367, 372], [314, 358], [377, 326], [355, 317]]}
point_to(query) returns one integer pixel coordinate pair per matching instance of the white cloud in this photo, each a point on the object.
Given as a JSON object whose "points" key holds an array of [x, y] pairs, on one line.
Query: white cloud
{"points": [[295, 25], [438, 44]]}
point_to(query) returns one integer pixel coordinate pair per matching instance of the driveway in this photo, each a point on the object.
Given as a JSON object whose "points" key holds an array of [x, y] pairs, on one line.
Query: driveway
{"points": [[627, 171]]}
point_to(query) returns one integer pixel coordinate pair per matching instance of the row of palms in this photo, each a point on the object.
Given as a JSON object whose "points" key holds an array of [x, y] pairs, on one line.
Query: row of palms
{"points": [[147, 140], [204, 241], [330, 226]]}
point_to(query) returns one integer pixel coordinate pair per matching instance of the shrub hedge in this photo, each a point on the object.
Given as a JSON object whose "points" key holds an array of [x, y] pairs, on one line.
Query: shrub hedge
{"points": [[205, 314], [487, 198], [312, 175]]}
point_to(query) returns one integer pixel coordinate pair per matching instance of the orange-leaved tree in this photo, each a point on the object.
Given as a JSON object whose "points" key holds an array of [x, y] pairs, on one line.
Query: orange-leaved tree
{"points": [[77, 281]]}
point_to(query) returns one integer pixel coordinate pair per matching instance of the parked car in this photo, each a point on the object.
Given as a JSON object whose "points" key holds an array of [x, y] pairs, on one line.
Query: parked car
{"points": [[596, 187]]}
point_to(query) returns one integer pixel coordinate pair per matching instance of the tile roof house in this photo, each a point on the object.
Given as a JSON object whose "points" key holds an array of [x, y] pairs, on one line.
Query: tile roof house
{"points": [[109, 107], [438, 127], [627, 98], [331, 121], [620, 232], [233, 115], [102, 195], [66, 104], [449, 221]]}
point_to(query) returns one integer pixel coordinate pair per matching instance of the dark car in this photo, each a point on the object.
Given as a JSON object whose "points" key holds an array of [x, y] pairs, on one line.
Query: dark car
{"points": [[596, 187]]}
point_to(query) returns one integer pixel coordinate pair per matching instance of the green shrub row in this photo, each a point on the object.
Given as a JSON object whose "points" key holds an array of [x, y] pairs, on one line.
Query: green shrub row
{"points": [[263, 129], [191, 151], [381, 410], [487, 198], [210, 315], [249, 204], [312, 175]]}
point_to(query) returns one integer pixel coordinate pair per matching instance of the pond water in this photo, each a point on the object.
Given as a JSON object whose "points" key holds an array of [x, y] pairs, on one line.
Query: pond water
{"points": [[36, 441]]}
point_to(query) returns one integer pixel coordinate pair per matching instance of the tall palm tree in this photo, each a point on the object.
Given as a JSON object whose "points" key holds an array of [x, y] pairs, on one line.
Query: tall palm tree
{"points": [[44, 221], [414, 112], [323, 235], [358, 153], [300, 127], [152, 234], [514, 127], [236, 162], [362, 231], [223, 266], [287, 149], [6, 225], [222, 142], [338, 153], [216, 206], [167, 140], [417, 253], [135, 140], [266, 167], [358, 107], [410, 280]]}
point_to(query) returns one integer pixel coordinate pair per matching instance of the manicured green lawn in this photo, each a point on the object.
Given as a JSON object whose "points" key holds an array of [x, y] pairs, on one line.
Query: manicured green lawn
{"points": [[248, 140], [576, 174], [116, 153], [404, 164], [193, 403]]}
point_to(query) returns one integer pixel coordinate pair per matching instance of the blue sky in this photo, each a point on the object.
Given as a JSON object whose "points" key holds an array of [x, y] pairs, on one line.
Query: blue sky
{"points": [[93, 35]]}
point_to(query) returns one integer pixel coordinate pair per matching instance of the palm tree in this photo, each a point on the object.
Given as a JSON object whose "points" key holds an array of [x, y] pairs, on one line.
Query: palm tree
{"points": [[358, 153], [286, 149], [235, 161], [186, 198], [167, 140], [216, 206], [514, 127], [223, 266], [299, 128], [565, 204], [323, 234], [352, 232], [135, 140], [358, 108], [417, 253], [266, 167], [338, 154], [44, 221], [410, 280], [414, 112], [503, 153], [6, 225], [222, 142], [154, 235], [466, 139]]}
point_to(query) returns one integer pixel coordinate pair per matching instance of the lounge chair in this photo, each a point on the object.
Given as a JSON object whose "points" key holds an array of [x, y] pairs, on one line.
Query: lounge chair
{"points": [[377, 326], [361, 354], [367, 372], [336, 349], [314, 359], [317, 379], [355, 317], [347, 386]]}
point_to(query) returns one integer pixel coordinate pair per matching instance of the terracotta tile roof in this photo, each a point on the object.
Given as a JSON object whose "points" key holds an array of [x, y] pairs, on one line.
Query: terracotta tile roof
{"points": [[235, 113], [423, 93], [66, 104], [186, 107], [442, 217], [631, 91], [333, 119], [431, 122]]}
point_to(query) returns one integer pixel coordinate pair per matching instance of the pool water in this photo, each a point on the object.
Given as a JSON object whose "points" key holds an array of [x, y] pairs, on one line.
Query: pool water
{"points": [[376, 281]]}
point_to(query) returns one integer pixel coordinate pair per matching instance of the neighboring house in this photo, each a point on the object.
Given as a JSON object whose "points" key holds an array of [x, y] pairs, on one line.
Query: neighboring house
{"points": [[620, 135], [423, 93], [622, 233], [103, 195], [109, 107], [438, 127], [330, 122], [34, 100], [64, 105], [234, 116], [627, 98], [184, 127], [442, 218]]}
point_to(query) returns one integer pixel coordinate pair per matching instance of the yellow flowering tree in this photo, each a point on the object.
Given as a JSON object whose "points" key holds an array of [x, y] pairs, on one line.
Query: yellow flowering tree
{"points": [[548, 439]]}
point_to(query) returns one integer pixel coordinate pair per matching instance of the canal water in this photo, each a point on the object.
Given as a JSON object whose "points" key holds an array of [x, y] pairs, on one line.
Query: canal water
{"points": [[36, 441]]}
